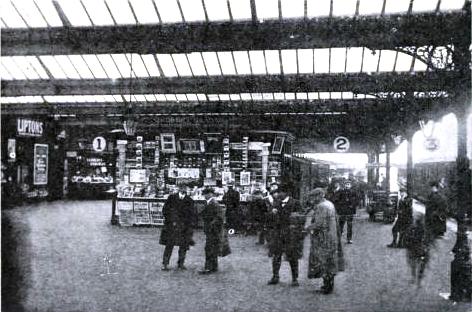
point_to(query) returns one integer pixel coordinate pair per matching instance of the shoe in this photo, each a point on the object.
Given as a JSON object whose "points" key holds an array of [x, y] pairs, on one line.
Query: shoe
{"points": [[274, 280], [392, 245], [295, 283], [182, 267], [259, 243], [205, 272], [349, 241], [164, 267]]}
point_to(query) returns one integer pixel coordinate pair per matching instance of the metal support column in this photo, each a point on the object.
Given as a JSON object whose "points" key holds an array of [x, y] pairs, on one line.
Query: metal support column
{"points": [[387, 167], [409, 166]]}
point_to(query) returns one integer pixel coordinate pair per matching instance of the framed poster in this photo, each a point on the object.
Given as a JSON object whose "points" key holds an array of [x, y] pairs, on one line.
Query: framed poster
{"points": [[189, 146], [168, 143], [245, 178], [40, 164], [227, 177], [137, 175], [278, 145]]}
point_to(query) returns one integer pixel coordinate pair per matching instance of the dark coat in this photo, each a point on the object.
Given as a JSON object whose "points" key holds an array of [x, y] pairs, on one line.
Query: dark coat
{"points": [[286, 229], [258, 209], [212, 226], [405, 215], [436, 214], [345, 202], [179, 217]]}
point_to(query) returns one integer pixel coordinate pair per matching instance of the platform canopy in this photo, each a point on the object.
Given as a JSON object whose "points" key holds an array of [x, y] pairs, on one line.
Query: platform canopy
{"points": [[312, 67]]}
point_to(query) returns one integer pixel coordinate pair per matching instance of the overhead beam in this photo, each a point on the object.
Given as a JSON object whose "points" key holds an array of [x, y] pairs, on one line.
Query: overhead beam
{"points": [[349, 82], [379, 32]]}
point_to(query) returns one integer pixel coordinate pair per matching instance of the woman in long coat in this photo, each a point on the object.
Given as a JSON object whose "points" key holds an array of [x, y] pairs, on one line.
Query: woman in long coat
{"points": [[326, 257]]}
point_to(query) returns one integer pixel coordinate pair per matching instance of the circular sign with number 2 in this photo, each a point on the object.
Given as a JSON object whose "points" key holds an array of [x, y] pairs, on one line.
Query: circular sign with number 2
{"points": [[99, 144], [341, 144]]}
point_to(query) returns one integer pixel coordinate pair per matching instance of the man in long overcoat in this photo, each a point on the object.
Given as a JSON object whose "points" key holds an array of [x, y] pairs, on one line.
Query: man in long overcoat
{"points": [[326, 258], [436, 212], [179, 219], [404, 219], [212, 226], [346, 202], [285, 224], [231, 199]]}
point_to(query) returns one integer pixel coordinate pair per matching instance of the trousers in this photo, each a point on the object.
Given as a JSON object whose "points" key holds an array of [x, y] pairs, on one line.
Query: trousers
{"points": [[342, 220], [211, 253], [168, 253], [277, 262]]}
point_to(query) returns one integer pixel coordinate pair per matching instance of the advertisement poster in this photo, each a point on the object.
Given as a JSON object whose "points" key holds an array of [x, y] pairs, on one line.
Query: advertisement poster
{"points": [[40, 171]]}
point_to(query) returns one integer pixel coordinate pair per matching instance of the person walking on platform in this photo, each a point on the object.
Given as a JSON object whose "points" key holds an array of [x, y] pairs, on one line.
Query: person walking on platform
{"points": [[345, 202], [258, 210], [404, 219], [212, 226], [326, 257], [286, 234], [436, 212], [179, 219], [231, 199]]}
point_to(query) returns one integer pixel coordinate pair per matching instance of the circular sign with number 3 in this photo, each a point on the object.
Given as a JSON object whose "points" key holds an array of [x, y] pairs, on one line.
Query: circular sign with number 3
{"points": [[99, 144], [341, 144]]}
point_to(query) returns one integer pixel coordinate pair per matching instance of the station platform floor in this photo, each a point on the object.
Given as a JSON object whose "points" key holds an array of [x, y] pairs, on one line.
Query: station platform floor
{"points": [[61, 246]]}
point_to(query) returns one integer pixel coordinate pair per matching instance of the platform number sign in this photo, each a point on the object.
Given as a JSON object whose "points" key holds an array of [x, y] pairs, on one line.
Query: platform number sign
{"points": [[99, 144], [341, 144]]}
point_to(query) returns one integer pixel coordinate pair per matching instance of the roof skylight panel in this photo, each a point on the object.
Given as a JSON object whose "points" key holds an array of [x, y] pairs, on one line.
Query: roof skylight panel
{"points": [[257, 62], [240, 9], [313, 96], [420, 65], [324, 95], [336, 95], [344, 8], [160, 97], [371, 59], [424, 5], [301, 96], [226, 62], [109, 66], [67, 66], [451, 5], [211, 63], [123, 65], [256, 96], [4, 74], [338, 60], [121, 11], [397, 6], [354, 60], [279, 96], [151, 65], [150, 97], [293, 8], [192, 10], [224, 97], [140, 97], [192, 97], [387, 60], [196, 63], [171, 97], [321, 59], [267, 9], [49, 12], [95, 66], [30, 13], [118, 98], [50, 62], [305, 61], [24, 65], [317, 8], [217, 10], [109, 98], [11, 17], [169, 11], [246, 96], [347, 95], [81, 66], [370, 7], [181, 97], [242, 62], [267, 96], [289, 61], [272, 61], [145, 12], [235, 97], [290, 96], [183, 67], [75, 12], [167, 65], [202, 97], [213, 97], [37, 67], [98, 12], [137, 65]]}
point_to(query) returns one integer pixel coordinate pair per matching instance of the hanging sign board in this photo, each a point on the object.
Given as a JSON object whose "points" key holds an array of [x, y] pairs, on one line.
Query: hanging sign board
{"points": [[40, 164], [341, 144], [29, 127], [99, 144]]}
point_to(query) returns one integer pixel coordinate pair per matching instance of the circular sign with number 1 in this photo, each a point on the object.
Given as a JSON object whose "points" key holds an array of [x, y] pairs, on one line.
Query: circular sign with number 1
{"points": [[99, 144], [341, 144]]}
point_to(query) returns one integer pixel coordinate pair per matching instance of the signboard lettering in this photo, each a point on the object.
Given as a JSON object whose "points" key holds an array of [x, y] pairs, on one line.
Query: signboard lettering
{"points": [[99, 144], [341, 144], [40, 169], [28, 127]]}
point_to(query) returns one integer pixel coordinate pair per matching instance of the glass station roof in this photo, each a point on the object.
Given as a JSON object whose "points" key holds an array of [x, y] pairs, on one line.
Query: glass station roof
{"points": [[76, 13]]}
